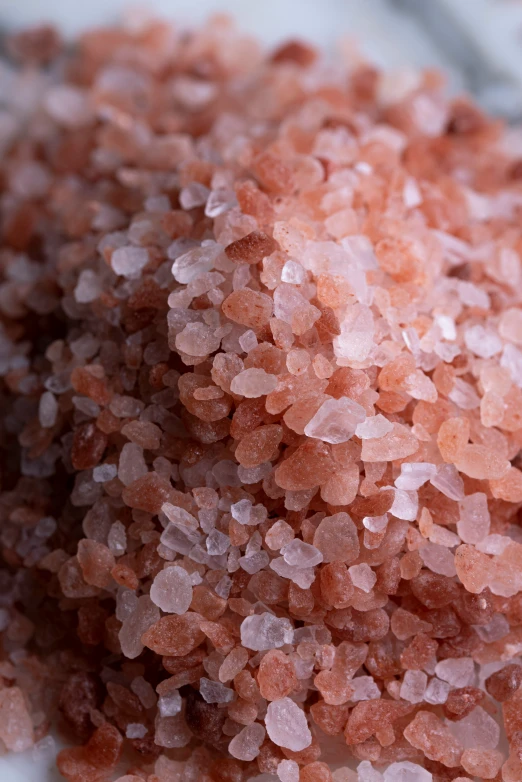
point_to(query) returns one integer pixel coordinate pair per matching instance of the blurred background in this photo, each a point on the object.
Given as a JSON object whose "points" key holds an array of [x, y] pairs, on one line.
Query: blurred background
{"points": [[477, 42]]}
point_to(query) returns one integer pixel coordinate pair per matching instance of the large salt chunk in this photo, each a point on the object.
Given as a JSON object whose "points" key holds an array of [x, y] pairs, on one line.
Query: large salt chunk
{"points": [[301, 554], [362, 577], [367, 773], [302, 576], [406, 772], [286, 725], [448, 481], [364, 688], [336, 420], [438, 559], [261, 632], [458, 671], [253, 382], [397, 444], [197, 339], [171, 590], [129, 261], [215, 692], [413, 686], [477, 730], [414, 475], [473, 525], [373, 427], [288, 771], [247, 743], [405, 505], [355, 341], [437, 691]]}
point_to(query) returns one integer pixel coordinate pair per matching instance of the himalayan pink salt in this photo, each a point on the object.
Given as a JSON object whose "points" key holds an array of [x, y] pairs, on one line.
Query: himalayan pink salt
{"points": [[483, 763], [405, 771], [413, 686], [427, 733], [253, 382], [397, 444], [288, 771], [286, 725], [16, 728], [265, 631], [171, 590], [438, 559], [356, 339], [478, 461], [129, 261], [246, 744], [474, 522], [458, 671], [336, 420], [477, 731], [414, 475], [336, 538], [362, 577]]}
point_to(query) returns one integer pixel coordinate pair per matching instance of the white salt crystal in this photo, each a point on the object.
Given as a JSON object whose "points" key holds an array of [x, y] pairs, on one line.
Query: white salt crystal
{"points": [[355, 341], [472, 296], [248, 475], [362, 577], [197, 339], [448, 481], [195, 262], [223, 587], [179, 516], [129, 261], [511, 360], [405, 505], [261, 632], [104, 472], [247, 743], [286, 725], [193, 195], [406, 772], [248, 341], [493, 544], [301, 554], [464, 395], [477, 730], [88, 287], [245, 513], [473, 525], [132, 464], [367, 773], [457, 671], [376, 523], [414, 475], [44, 751], [438, 559], [336, 420], [219, 201], [135, 625], [47, 410], [217, 543], [170, 705], [413, 686], [126, 603], [171, 590], [495, 630], [443, 536], [288, 771], [482, 341], [255, 562], [145, 692], [437, 691], [373, 427], [253, 382], [135, 730], [117, 539], [215, 692], [293, 273], [364, 688], [302, 576]]}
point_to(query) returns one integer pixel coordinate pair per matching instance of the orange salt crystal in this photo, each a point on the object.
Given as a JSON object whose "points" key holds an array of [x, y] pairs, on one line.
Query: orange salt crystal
{"points": [[175, 635], [249, 308], [259, 446], [96, 562], [428, 733], [452, 438], [148, 493], [251, 248], [397, 444], [87, 447], [478, 461], [276, 676], [308, 466]]}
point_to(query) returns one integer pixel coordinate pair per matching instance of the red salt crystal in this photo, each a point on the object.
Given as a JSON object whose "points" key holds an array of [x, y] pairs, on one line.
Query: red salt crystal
{"points": [[251, 248], [310, 465], [315, 772], [331, 719], [175, 635], [273, 173], [461, 702], [276, 676], [294, 52], [249, 308], [259, 445], [368, 717], [253, 201], [148, 493], [90, 381], [427, 733]]}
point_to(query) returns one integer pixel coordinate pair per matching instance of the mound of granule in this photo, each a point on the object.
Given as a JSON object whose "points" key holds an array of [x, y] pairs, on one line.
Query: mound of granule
{"points": [[261, 393]]}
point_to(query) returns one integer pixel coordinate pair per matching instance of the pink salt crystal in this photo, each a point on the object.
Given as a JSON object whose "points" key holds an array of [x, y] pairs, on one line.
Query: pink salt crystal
{"points": [[197, 339], [464, 395], [288, 771], [373, 427], [478, 461], [427, 733], [474, 522], [253, 383], [405, 505], [88, 287], [483, 763], [142, 617], [300, 554], [419, 386], [414, 475], [413, 686], [397, 444], [265, 631], [336, 420], [336, 538], [293, 273], [16, 727], [438, 559], [459, 672], [129, 261], [132, 464], [286, 725], [68, 106], [364, 688], [247, 743], [477, 731], [482, 342], [510, 326], [362, 577], [197, 261], [355, 342], [447, 480], [171, 590], [279, 535], [376, 523]]}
